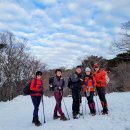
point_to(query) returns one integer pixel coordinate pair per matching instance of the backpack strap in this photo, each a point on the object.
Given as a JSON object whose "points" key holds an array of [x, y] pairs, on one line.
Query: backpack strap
{"points": [[86, 82], [35, 82], [93, 82]]}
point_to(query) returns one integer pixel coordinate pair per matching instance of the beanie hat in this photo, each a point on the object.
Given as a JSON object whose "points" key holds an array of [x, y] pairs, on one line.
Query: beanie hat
{"points": [[88, 69]]}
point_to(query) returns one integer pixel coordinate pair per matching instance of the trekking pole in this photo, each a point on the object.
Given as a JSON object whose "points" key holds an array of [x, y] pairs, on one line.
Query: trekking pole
{"points": [[79, 105], [85, 106], [83, 110], [97, 106], [80, 95], [97, 101], [43, 110], [65, 107]]}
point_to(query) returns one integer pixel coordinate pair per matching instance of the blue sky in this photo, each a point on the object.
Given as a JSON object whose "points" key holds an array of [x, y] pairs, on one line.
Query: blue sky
{"points": [[60, 32]]}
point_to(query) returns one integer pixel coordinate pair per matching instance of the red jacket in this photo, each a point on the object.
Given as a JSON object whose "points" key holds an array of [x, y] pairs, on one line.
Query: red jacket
{"points": [[89, 84], [100, 78], [35, 86]]}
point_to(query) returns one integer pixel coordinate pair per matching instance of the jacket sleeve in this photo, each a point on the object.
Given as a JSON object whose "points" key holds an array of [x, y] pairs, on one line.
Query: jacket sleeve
{"points": [[32, 87], [81, 82], [103, 77], [95, 83], [74, 79]]}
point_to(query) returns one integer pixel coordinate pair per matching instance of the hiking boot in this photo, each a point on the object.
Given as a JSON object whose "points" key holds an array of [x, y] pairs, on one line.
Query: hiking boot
{"points": [[76, 116], [81, 114], [63, 118], [33, 121], [56, 117], [37, 122], [104, 112], [93, 114]]}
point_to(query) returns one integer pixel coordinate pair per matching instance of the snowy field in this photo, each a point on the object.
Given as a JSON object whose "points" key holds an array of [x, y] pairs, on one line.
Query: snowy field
{"points": [[17, 115]]}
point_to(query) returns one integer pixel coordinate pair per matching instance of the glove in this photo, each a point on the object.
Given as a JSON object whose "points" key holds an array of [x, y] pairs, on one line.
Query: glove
{"points": [[95, 93], [51, 86], [81, 80], [60, 88], [41, 90]]}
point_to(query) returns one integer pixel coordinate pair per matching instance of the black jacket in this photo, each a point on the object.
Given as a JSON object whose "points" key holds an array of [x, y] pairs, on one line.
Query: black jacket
{"points": [[74, 82]]}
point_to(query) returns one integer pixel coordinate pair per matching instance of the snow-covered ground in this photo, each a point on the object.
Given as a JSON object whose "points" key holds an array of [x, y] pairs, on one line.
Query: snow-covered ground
{"points": [[17, 115]]}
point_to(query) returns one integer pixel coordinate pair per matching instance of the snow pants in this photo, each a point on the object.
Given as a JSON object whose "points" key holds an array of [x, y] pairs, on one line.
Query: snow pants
{"points": [[101, 93], [91, 102], [58, 98], [36, 102], [76, 102]]}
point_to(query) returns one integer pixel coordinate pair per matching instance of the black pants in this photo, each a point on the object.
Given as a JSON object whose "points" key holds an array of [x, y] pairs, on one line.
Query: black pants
{"points": [[76, 102], [90, 98], [101, 93], [91, 102]]}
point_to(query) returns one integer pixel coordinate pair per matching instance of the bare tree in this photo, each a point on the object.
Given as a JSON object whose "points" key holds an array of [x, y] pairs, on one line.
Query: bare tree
{"points": [[2, 45], [120, 80], [123, 43], [16, 64], [91, 60]]}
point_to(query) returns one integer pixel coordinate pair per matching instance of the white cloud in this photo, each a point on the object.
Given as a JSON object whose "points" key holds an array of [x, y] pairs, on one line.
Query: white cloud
{"points": [[117, 30], [47, 1], [11, 12], [61, 32], [72, 6], [91, 22], [104, 5]]}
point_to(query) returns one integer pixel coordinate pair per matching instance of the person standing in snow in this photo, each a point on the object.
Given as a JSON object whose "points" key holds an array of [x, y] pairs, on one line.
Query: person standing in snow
{"points": [[75, 84], [37, 91], [100, 77], [89, 84], [56, 84]]}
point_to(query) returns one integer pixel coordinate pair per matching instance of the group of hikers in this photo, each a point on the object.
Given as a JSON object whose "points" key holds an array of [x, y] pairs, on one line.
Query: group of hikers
{"points": [[90, 83]]}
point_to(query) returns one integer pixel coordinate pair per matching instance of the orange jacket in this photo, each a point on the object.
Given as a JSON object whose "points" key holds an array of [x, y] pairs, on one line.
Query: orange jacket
{"points": [[100, 78], [89, 84], [35, 87]]}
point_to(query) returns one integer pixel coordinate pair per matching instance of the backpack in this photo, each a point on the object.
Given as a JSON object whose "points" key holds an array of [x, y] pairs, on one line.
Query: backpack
{"points": [[107, 78], [51, 87], [26, 89]]}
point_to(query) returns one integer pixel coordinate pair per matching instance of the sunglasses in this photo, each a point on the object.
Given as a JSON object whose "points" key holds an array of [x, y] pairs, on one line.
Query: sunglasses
{"points": [[96, 67]]}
